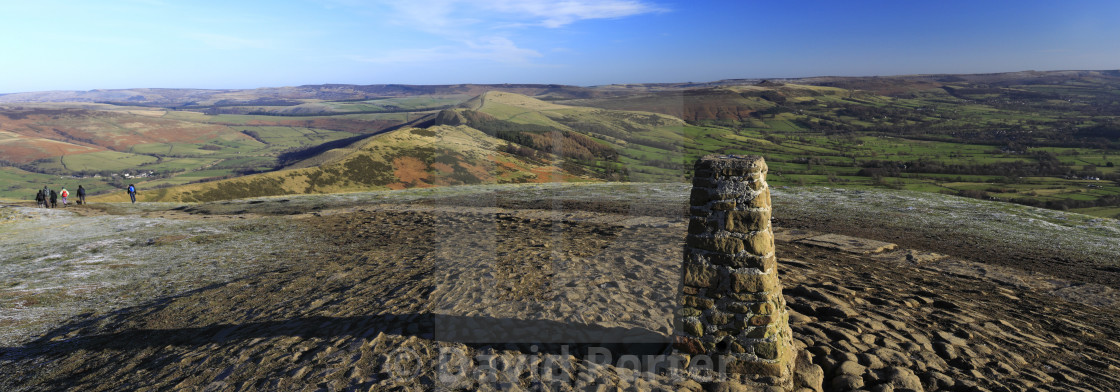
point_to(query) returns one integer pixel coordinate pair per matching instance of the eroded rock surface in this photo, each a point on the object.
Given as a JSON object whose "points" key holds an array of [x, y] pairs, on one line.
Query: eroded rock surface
{"points": [[393, 297]]}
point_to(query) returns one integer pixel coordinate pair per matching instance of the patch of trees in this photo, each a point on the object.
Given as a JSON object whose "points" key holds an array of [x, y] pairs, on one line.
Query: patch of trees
{"points": [[1109, 130], [1044, 164], [870, 113], [773, 96], [255, 135], [71, 137], [697, 113], [522, 151], [770, 112], [825, 126], [818, 161], [1062, 204], [1006, 94]]}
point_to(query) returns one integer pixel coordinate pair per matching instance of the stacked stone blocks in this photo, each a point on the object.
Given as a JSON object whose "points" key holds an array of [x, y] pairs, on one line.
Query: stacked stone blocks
{"points": [[731, 303]]}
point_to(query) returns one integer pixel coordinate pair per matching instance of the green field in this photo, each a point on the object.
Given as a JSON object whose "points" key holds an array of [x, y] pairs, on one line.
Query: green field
{"points": [[1017, 143], [238, 150], [1052, 143], [22, 185], [799, 152]]}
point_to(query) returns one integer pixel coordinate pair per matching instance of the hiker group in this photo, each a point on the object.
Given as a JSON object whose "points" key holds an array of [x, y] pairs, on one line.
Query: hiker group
{"points": [[48, 198]]}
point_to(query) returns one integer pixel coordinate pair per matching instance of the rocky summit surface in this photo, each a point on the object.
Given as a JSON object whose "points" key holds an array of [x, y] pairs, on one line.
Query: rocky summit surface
{"points": [[560, 296]]}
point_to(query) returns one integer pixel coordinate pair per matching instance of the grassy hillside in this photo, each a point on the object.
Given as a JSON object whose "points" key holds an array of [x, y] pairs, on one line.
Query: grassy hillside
{"points": [[608, 144], [1047, 139], [406, 158], [106, 147]]}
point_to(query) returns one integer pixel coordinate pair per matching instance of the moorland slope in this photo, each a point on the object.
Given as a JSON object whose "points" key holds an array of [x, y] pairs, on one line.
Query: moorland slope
{"points": [[405, 158], [1044, 139]]}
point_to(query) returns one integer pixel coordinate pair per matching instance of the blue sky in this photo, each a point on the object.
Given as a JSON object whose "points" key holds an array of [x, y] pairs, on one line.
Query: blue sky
{"points": [[81, 45]]}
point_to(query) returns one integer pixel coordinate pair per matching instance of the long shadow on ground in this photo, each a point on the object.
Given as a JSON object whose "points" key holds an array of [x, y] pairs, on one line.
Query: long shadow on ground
{"points": [[620, 341]]}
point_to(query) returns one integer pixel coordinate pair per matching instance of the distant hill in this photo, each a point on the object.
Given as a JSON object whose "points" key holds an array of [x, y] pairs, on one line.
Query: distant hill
{"points": [[295, 95], [888, 85], [730, 103], [497, 137], [289, 96], [1045, 139], [37, 133], [405, 158], [607, 144]]}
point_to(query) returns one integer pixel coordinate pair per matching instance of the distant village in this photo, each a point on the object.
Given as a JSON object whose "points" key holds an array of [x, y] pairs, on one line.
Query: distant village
{"points": [[129, 175]]}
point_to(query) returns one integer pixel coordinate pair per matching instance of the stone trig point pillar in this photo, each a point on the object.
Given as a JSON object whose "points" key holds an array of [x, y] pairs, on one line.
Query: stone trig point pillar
{"points": [[731, 305]]}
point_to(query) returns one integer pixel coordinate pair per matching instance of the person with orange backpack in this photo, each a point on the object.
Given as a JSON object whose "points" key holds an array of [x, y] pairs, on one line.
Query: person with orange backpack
{"points": [[65, 193]]}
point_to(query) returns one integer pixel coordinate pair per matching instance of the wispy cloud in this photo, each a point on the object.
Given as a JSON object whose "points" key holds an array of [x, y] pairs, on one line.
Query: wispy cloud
{"points": [[557, 14], [497, 49], [448, 15], [484, 29]]}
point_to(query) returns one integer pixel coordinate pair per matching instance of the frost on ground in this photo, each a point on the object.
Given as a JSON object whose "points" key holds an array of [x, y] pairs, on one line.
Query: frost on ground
{"points": [[1012, 225], [56, 264], [376, 287]]}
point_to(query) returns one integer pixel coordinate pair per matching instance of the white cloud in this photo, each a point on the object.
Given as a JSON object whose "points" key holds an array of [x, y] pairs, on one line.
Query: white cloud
{"points": [[455, 16], [497, 49], [482, 29], [437, 15], [556, 14]]}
